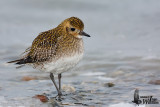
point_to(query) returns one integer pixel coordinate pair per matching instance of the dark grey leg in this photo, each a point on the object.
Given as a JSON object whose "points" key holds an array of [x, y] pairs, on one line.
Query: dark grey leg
{"points": [[59, 78], [54, 82]]}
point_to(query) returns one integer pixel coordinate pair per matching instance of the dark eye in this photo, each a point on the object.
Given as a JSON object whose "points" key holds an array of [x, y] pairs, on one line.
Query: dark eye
{"points": [[73, 29]]}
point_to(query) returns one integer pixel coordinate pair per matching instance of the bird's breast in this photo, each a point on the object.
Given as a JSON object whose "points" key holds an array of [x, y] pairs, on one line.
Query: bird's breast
{"points": [[67, 55], [63, 64]]}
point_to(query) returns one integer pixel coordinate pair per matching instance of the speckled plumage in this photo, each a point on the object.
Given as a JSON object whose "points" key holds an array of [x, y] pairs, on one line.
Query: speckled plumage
{"points": [[52, 45], [56, 50]]}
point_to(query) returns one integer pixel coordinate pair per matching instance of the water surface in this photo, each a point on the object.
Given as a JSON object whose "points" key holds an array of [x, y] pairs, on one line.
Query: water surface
{"points": [[124, 50]]}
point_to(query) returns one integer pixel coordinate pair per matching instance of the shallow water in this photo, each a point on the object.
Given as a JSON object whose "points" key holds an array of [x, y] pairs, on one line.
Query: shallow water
{"points": [[124, 50]]}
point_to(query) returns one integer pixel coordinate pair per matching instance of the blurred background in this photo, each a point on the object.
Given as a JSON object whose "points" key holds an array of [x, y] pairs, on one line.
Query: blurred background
{"points": [[123, 49]]}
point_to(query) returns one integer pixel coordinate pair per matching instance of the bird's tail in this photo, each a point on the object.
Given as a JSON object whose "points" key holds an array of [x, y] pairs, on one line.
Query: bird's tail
{"points": [[14, 61], [19, 61], [22, 61]]}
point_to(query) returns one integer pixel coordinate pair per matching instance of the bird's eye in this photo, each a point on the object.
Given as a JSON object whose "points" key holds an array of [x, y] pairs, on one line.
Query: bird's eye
{"points": [[73, 29]]}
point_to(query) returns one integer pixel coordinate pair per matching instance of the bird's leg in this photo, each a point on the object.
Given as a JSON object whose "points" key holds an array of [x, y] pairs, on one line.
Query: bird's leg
{"points": [[53, 80], [59, 79]]}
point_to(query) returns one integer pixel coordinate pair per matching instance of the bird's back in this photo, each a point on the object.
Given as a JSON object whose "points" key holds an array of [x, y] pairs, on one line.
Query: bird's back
{"points": [[56, 49]]}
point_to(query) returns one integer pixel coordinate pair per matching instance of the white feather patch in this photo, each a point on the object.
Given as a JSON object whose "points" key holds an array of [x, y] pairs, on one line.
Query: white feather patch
{"points": [[63, 64], [79, 36]]}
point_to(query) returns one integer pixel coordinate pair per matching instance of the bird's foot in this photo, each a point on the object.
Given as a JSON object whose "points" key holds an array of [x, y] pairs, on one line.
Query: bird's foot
{"points": [[59, 97], [59, 93]]}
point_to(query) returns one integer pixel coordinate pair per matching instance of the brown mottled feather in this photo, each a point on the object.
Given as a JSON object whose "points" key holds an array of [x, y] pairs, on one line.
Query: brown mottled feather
{"points": [[47, 44], [44, 46]]}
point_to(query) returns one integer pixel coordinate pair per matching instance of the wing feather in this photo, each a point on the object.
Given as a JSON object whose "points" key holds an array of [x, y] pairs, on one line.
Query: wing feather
{"points": [[43, 47]]}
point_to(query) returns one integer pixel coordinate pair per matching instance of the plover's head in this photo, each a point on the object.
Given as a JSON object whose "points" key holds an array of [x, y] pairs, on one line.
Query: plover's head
{"points": [[74, 26]]}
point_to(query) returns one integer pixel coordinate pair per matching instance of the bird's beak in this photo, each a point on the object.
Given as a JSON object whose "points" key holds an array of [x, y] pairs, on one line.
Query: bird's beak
{"points": [[84, 34]]}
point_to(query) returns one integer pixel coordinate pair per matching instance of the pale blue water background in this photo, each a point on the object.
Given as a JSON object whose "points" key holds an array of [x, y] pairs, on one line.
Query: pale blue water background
{"points": [[123, 48]]}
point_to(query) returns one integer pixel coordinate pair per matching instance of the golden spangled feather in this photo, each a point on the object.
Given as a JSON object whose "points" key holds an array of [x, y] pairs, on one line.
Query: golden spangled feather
{"points": [[26, 52], [46, 44], [52, 43], [57, 50]]}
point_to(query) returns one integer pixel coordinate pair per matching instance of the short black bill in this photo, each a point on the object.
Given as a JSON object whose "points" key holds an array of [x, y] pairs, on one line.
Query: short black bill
{"points": [[84, 34]]}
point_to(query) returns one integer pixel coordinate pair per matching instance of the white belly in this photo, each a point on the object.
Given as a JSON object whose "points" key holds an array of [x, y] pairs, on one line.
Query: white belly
{"points": [[62, 64]]}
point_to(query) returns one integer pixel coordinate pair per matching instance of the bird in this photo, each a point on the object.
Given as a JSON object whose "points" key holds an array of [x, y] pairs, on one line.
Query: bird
{"points": [[57, 50]]}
